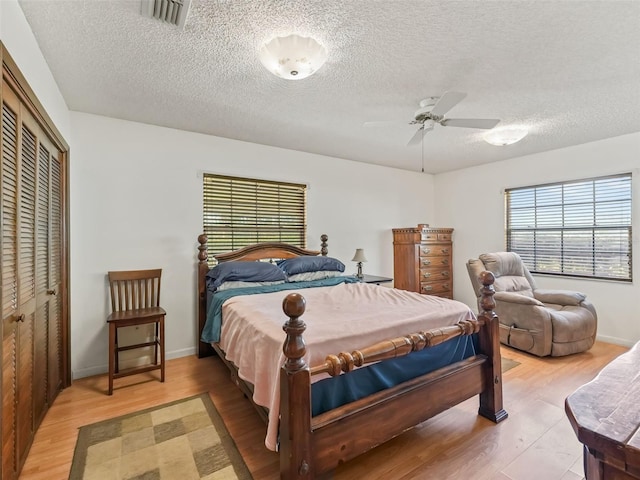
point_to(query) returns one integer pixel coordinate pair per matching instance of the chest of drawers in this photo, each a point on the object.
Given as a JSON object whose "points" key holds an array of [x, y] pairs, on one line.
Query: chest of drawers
{"points": [[422, 260]]}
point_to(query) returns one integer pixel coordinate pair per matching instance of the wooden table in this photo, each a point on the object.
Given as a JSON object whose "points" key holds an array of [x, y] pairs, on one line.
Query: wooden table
{"points": [[605, 414]]}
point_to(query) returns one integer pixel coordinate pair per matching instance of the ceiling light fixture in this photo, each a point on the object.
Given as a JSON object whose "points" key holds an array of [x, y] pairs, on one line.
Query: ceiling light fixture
{"points": [[293, 57], [505, 136]]}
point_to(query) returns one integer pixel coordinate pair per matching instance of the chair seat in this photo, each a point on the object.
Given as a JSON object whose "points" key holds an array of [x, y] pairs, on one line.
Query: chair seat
{"points": [[571, 323], [137, 314]]}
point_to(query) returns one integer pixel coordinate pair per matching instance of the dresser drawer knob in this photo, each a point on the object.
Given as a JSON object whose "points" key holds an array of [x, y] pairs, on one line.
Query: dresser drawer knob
{"points": [[445, 261], [445, 250], [426, 262], [426, 275], [427, 288], [426, 250], [445, 273]]}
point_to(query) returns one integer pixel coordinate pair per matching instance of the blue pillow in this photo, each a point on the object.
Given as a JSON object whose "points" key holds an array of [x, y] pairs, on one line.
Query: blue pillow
{"points": [[308, 263], [244, 272]]}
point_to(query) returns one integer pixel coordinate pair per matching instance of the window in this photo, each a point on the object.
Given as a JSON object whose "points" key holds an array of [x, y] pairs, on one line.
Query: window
{"points": [[241, 211], [580, 228]]}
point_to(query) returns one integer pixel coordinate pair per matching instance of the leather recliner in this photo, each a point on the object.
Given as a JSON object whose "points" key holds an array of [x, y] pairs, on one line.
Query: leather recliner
{"points": [[539, 321]]}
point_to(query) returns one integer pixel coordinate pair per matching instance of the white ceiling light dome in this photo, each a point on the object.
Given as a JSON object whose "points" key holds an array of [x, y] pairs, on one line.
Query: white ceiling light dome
{"points": [[293, 57], [505, 136]]}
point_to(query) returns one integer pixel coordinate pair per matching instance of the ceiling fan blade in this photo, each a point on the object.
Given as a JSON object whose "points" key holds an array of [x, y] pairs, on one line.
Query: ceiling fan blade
{"points": [[417, 138], [446, 102], [385, 123], [485, 123]]}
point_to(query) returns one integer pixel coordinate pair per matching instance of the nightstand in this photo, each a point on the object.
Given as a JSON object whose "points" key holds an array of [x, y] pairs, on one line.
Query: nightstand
{"points": [[374, 279]]}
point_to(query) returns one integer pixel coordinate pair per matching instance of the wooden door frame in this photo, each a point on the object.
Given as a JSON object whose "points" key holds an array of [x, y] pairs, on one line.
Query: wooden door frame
{"points": [[14, 77]]}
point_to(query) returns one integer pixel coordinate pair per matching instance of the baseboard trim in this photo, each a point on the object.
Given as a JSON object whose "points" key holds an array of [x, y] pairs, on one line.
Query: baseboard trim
{"points": [[102, 369], [615, 340]]}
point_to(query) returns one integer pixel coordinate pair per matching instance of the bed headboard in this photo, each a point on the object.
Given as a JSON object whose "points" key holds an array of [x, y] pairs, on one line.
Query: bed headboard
{"points": [[250, 253]]}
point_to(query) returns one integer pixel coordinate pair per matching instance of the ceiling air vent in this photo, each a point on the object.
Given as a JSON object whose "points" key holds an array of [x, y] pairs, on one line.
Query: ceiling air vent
{"points": [[170, 11]]}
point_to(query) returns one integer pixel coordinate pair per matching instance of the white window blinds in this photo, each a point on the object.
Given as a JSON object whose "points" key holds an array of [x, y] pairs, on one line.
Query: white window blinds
{"points": [[580, 228]]}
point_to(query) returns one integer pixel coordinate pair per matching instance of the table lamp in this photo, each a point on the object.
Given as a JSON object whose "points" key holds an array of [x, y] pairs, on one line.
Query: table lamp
{"points": [[359, 257]]}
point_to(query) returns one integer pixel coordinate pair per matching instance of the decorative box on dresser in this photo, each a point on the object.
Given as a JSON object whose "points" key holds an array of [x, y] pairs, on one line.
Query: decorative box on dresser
{"points": [[422, 260]]}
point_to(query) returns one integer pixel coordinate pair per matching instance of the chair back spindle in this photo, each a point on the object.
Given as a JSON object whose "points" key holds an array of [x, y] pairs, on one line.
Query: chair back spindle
{"points": [[134, 289]]}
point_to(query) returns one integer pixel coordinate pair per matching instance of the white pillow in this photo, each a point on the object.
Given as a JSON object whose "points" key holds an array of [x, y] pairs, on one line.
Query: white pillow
{"points": [[241, 284], [308, 276]]}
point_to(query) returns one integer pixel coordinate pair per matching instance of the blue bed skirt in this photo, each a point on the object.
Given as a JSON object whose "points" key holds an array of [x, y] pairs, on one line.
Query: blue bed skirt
{"points": [[334, 392]]}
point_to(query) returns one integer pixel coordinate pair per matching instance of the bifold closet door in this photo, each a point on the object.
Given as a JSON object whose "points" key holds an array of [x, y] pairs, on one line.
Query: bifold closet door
{"points": [[47, 338], [30, 320], [15, 331], [48, 265]]}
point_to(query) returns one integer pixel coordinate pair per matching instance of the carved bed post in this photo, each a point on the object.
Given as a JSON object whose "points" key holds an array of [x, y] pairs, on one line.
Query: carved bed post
{"points": [[491, 398], [323, 245], [204, 349], [295, 396]]}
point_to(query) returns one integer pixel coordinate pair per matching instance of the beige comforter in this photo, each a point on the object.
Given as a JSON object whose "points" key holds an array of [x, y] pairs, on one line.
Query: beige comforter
{"points": [[339, 318]]}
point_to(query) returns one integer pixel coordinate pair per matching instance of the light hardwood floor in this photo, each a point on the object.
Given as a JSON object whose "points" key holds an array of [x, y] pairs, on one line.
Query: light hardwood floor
{"points": [[535, 442]]}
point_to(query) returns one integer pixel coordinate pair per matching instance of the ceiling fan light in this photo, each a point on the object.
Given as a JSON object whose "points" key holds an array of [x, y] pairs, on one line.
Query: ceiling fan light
{"points": [[505, 136], [293, 57]]}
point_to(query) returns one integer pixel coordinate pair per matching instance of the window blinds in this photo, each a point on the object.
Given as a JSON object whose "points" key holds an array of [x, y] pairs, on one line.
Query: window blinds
{"points": [[240, 211], [580, 228]]}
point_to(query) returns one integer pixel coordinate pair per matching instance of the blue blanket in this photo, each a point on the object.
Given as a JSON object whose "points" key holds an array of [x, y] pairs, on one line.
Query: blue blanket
{"points": [[211, 330]]}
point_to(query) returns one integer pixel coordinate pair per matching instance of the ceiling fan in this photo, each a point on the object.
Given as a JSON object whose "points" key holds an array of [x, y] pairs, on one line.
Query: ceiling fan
{"points": [[432, 111]]}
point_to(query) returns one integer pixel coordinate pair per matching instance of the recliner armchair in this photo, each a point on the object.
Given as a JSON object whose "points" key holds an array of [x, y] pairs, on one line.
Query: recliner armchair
{"points": [[538, 321]]}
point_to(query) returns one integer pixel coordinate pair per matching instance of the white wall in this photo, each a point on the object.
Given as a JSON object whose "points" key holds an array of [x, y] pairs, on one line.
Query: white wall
{"points": [[137, 203], [21, 45], [117, 166], [472, 202]]}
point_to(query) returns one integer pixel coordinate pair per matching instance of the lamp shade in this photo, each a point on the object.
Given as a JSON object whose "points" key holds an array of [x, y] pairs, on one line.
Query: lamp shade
{"points": [[505, 136], [359, 256], [293, 57]]}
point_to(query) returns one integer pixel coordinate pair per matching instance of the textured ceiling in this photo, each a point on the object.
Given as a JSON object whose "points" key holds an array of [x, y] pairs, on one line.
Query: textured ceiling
{"points": [[567, 69]]}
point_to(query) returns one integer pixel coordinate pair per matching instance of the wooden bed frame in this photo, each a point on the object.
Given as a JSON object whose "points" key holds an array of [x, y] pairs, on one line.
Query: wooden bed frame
{"points": [[310, 446]]}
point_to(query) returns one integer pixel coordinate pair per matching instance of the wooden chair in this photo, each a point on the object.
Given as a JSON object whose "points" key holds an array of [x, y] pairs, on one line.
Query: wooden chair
{"points": [[135, 300]]}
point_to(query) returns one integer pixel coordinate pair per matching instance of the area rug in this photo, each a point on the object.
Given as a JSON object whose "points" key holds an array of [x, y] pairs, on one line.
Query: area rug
{"points": [[508, 364], [182, 440]]}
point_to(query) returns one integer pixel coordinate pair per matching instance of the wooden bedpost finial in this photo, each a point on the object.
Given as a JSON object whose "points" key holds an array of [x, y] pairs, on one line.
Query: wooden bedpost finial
{"points": [[323, 246], [202, 253], [294, 305], [487, 291], [294, 347]]}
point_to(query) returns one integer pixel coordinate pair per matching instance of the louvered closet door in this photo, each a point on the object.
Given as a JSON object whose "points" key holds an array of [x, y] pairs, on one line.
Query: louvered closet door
{"points": [[56, 245], [31, 279], [9, 194], [26, 242], [48, 276], [18, 271]]}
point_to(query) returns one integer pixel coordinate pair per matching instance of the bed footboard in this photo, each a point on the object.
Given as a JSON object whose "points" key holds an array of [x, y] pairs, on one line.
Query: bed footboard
{"points": [[310, 446]]}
